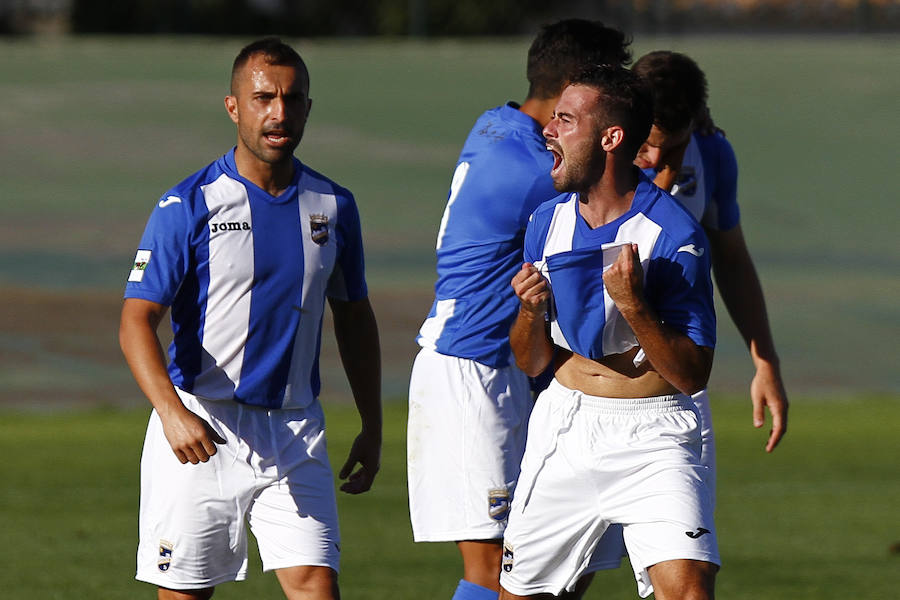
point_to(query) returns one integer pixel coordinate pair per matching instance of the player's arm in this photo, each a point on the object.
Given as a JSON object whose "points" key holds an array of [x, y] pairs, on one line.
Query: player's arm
{"points": [[192, 439], [356, 332], [742, 293], [528, 337], [673, 354]]}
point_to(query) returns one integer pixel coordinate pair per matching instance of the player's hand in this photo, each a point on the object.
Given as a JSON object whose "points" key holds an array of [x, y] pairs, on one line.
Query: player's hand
{"points": [[624, 279], [670, 165], [767, 391], [531, 289], [193, 440], [366, 451]]}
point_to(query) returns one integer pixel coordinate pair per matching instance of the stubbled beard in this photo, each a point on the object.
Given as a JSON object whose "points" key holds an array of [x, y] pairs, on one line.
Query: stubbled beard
{"points": [[581, 174]]}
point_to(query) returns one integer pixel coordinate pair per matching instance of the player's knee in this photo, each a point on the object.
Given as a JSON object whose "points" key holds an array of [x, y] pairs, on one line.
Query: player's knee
{"points": [[319, 583], [684, 580]]}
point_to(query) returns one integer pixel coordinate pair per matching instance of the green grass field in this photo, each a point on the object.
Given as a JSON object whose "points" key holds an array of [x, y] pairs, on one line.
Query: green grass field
{"points": [[815, 520]]}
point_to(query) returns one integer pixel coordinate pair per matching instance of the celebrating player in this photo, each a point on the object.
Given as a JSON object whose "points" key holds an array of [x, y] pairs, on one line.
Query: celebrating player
{"points": [[468, 406], [244, 253], [616, 294], [687, 156]]}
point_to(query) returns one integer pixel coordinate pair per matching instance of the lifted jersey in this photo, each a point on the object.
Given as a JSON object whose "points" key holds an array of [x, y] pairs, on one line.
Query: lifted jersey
{"points": [[246, 275], [502, 175], [707, 182], [674, 256]]}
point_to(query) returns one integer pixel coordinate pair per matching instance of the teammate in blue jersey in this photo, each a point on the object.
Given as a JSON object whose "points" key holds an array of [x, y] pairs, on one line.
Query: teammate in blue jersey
{"points": [[700, 170], [243, 254], [468, 406], [616, 294]]}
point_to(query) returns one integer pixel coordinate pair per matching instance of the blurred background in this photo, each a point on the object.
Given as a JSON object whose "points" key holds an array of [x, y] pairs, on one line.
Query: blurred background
{"points": [[107, 105], [439, 17]]}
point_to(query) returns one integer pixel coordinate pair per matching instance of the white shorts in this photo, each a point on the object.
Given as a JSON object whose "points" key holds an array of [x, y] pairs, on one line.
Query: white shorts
{"points": [[272, 471], [610, 549], [592, 462], [465, 439]]}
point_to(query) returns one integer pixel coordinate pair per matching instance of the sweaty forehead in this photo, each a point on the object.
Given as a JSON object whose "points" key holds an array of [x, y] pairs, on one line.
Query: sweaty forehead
{"points": [[260, 74], [579, 100]]}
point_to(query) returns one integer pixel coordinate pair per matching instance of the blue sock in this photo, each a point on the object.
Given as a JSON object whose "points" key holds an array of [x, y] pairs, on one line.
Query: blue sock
{"points": [[466, 590]]}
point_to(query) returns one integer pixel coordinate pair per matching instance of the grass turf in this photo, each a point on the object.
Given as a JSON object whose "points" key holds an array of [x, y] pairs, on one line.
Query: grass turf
{"points": [[816, 519]]}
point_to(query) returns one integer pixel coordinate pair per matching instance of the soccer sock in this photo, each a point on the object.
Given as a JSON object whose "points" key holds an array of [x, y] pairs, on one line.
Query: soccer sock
{"points": [[466, 590]]}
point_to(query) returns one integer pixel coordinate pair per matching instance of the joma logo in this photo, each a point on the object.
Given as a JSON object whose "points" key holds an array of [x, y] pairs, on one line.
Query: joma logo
{"points": [[229, 226]]}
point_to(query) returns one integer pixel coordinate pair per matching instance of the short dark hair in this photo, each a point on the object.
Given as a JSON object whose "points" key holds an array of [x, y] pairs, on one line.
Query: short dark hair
{"points": [[626, 101], [275, 52], [679, 88], [563, 48]]}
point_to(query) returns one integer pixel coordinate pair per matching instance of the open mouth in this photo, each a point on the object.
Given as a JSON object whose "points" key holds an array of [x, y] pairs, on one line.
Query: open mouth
{"points": [[557, 158], [277, 137]]}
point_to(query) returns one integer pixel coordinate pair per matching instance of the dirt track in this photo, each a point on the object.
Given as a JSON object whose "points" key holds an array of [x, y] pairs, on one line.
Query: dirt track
{"points": [[60, 348]]}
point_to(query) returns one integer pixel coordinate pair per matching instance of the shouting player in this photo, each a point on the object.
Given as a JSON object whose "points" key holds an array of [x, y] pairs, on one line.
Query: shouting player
{"points": [[615, 293]]}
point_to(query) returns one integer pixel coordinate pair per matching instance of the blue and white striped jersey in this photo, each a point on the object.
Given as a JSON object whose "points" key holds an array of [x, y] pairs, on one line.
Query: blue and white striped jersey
{"points": [[707, 182], [246, 275], [674, 254], [502, 175]]}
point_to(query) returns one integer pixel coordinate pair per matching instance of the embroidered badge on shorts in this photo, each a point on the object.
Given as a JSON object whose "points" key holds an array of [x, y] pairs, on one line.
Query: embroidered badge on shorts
{"points": [[141, 260], [507, 558], [318, 229], [498, 504], [165, 555]]}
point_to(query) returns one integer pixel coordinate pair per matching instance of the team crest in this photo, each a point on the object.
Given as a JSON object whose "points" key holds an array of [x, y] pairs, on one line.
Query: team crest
{"points": [[165, 555], [498, 504], [507, 558], [318, 229]]}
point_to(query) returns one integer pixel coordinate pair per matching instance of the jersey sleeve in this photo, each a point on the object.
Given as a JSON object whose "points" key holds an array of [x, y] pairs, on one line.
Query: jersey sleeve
{"points": [[721, 173], [163, 256], [348, 280], [679, 287]]}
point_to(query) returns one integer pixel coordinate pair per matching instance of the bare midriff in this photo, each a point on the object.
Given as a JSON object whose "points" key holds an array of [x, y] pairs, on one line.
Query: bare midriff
{"points": [[613, 376]]}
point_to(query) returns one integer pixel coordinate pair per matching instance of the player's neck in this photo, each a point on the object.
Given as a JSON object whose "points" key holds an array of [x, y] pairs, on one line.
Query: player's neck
{"points": [[610, 197], [272, 178], [539, 110]]}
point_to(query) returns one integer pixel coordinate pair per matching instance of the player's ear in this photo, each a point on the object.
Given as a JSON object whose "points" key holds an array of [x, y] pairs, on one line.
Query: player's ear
{"points": [[612, 138], [231, 105]]}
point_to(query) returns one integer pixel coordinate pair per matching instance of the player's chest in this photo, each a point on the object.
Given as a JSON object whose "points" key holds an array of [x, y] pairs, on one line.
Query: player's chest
{"points": [[261, 242]]}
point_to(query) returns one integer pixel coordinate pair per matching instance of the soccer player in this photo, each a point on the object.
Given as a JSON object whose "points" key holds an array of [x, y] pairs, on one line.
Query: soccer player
{"points": [[688, 156], [616, 294], [244, 253], [468, 405]]}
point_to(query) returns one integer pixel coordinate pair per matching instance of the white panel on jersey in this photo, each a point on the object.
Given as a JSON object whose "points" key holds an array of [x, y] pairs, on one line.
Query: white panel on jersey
{"points": [[562, 227], [318, 220], [690, 185], [459, 175], [559, 239], [617, 334], [432, 328], [231, 262]]}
